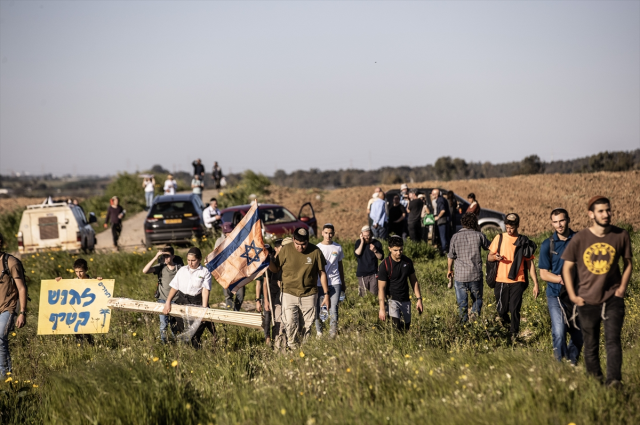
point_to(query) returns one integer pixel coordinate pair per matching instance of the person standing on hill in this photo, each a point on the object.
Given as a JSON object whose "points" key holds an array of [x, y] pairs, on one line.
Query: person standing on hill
{"points": [[474, 206], [415, 211], [397, 216], [560, 306], [599, 292], [334, 270], [216, 174], [466, 252], [115, 214], [368, 252], [198, 169], [302, 264], [515, 259], [395, 276], [13, 291], [374, 197], [170, 185], [197, 185], [149, 186], [165, 271], [378, 217]]}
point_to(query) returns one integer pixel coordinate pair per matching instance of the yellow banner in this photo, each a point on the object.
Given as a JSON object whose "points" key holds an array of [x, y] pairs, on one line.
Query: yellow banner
{"points": [[74, 306]]}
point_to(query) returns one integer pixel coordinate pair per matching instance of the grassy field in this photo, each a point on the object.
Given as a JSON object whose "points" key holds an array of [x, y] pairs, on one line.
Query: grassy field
{"points": [[440, 372]]}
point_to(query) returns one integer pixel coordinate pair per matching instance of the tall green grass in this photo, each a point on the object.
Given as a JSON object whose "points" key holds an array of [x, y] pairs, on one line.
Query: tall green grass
{"points": [[439, 372]]}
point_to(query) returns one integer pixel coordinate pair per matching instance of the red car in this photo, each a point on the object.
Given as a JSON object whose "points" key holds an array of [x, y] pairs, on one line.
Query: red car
{"points": [[277, 220]]}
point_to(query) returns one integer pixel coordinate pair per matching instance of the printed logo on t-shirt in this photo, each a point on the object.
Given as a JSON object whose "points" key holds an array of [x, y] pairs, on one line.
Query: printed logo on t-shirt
{"points": [[308, 260], [599, 257]]}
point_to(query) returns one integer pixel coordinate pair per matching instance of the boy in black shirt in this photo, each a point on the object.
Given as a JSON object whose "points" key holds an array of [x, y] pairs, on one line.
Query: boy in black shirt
{"points": [[395, 273]]}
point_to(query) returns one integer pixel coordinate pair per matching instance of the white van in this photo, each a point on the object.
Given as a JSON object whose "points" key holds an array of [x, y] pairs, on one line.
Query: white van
{"points": [[55, 226]]}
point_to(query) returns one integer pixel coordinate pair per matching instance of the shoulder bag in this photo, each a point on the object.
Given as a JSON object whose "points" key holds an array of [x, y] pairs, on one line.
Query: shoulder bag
{"points": [[492, 267]]}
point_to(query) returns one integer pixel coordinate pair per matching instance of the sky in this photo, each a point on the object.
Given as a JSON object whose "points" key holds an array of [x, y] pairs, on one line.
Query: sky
{"points": [[100, 87]]}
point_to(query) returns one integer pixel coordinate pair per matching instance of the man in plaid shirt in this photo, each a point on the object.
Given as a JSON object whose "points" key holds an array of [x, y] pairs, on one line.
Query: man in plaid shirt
{"points": [[464, 250]]}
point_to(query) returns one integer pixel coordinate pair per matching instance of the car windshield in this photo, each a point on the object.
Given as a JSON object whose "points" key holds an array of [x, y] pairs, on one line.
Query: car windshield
{"points": [[173, 208], [276, 215]]}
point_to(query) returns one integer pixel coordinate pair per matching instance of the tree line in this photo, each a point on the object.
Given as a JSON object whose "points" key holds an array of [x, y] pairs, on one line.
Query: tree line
{"points": [[447, 168]]}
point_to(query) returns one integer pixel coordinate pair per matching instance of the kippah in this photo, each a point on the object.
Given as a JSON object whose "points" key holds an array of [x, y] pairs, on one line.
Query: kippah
{"points": [[195, 251], [594, 200], [365, 229], [328, 226], [512, 217], [301, 234]]}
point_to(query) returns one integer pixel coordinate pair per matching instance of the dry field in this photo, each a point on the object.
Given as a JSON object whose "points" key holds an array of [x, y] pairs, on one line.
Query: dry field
{"points": [[9, 204], [533, 197]]}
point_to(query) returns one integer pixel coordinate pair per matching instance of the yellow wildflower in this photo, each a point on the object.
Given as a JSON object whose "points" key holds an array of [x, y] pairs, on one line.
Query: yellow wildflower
{"points": [[283, 411], [174, 363], [301, 354], [155, 359], [9, 379], [134, 334], [348, 370]]}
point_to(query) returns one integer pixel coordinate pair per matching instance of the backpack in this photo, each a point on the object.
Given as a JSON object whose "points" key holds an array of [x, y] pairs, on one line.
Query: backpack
{"points": [[5, 270], [492, 267], [177, 260]]}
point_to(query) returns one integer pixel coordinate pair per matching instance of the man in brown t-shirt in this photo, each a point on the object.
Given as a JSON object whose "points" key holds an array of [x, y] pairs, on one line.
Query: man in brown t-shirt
{"points": [[12, 290], [598, 287], [302, 264]]}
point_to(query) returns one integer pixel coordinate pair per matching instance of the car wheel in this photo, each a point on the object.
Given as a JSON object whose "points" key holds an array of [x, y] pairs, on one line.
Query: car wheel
{"points": [[490, 230], [147, 242]]}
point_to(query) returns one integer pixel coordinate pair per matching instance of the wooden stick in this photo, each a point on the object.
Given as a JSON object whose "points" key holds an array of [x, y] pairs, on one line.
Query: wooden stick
{"points": [[249, 320]]}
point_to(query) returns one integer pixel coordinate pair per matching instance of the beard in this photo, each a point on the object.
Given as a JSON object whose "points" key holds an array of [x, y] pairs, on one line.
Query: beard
{"points": [[603, 223]]}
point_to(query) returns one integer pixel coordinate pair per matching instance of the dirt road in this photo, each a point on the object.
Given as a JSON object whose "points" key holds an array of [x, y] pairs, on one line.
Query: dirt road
{"points": [[132, 236]]}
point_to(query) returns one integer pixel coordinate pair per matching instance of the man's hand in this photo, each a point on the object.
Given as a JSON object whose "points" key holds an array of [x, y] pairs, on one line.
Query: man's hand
{"points": [[326, 302], [58, 279], [579, 301], [382, 315], [419, 306], [449, 274], [372, 248], [21, 321], [105, 225], [619, 293], [536, 290], [258, 306], [167, 309]]}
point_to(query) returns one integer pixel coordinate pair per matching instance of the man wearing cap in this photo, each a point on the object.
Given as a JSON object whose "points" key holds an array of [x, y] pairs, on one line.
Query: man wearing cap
{"points": [[165, 271], [560, 306], [333, 256], [191, 286], [515, 254], [368, 252], [594, 254], [302, 264]]}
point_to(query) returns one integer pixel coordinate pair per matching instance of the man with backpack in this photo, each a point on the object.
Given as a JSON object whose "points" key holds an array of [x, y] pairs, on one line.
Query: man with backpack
{"points": [[166, 270], [395, 276], [560, 306], [13, 290], [514, 254]]}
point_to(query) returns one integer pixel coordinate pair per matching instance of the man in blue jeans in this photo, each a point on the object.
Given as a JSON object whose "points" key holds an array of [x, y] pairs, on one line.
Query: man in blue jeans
{"points": [[560, 307], [166, 271], [13, 290], [441, 215], [465, 253], [334, 255]]}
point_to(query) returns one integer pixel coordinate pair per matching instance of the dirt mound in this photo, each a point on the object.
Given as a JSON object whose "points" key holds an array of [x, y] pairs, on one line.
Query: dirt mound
{"points": [[533, 197]]}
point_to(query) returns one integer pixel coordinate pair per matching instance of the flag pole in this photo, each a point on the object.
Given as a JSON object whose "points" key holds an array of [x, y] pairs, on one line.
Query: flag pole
{"points": [[269, 294]]}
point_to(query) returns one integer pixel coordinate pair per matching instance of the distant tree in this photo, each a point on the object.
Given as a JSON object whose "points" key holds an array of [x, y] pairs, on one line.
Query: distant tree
{"points": [[611, 161], [444, 168], [461, 168], [530, 165], [159, 169]]}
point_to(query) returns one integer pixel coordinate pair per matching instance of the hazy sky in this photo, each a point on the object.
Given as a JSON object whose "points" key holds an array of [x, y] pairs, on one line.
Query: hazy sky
{"points": [[96, 87]]}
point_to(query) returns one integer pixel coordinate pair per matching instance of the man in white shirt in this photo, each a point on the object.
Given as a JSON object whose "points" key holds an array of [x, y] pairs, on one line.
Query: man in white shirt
{"points": [[211, 215], [191, 286], [335, 278], [170, 185]]}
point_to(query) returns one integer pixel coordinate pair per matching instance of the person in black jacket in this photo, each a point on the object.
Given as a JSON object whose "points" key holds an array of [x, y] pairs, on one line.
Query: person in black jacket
{"points": [[198, 168], [115, 214]]}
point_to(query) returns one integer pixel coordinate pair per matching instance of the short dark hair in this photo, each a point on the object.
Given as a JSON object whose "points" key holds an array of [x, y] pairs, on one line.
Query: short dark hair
{"points": [[277, 243], [1, 239], [471, 196], [81, 263], [469, 221], [559, 211], [512, 219], [195, 251], [599, 201], [212, 199], [168, 249], [395, 240]]}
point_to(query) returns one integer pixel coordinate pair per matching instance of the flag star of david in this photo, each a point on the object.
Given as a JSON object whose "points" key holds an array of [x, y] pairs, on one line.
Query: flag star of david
{"points": [[247, 253]]}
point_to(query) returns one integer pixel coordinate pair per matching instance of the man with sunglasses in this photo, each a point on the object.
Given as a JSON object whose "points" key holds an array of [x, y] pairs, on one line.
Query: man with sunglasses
{"points": [[302, 264], [166, 271]]}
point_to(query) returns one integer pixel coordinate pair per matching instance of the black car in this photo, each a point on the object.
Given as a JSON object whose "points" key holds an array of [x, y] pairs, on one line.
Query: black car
{"points": [[489, 220], [174, 219]]}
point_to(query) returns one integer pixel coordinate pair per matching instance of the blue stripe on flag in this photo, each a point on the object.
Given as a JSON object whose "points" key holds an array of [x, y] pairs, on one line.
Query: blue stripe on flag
{"points": [[231, 248], [242, 282]]}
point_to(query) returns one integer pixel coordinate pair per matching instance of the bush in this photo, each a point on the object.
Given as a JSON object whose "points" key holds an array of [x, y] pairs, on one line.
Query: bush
{"points": [[9, 226], [251, 184]]}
